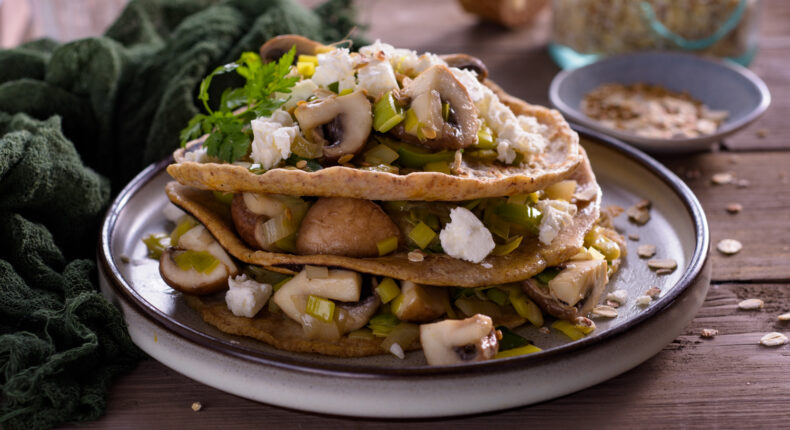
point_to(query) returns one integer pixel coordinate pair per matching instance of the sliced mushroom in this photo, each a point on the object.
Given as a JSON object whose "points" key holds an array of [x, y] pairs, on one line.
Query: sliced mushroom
{"points": [[468, 62], [278, 46], [420, 303], [344, 226], [459, 341], [248, 223], [341, 124], [573, 292], [428, 92], [354, 316], [191, 281], [342, 285]]}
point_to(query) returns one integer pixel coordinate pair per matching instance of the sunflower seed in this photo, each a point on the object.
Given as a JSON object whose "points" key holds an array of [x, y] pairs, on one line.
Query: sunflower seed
{"points": [[665, 263], [653, 292], [784, 317], [729, 246], [643, 301], [708, 332], [751, 304], [604, 311], [544, 330], [734, 208], [415, 256], [619, 296], [646, 251], [773, 339], [722, 178]]}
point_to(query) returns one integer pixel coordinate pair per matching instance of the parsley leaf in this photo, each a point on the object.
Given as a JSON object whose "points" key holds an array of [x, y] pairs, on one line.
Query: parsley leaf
{"points": [[229, 136]]}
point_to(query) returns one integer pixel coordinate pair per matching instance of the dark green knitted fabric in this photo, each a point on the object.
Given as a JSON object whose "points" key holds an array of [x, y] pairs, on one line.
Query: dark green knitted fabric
{"points": [[77, 121]]}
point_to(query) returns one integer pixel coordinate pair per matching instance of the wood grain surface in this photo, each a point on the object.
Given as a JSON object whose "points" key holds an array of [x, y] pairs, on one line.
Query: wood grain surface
{"points": [[729, 381]]}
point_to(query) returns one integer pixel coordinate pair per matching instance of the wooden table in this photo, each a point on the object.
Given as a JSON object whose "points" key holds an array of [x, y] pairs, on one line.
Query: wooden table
{"points": [[727, 381]]}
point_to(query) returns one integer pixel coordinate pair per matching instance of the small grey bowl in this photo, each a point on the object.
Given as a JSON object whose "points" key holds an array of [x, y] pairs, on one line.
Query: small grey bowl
{"points": [[718, 84]]}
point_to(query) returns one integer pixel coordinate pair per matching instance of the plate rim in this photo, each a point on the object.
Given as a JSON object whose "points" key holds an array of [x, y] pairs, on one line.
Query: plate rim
{"points": [[656, 144], [125, 292]]}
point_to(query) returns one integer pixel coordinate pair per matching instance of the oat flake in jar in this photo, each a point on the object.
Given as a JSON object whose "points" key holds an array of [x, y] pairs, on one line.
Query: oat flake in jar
{"points": [[585, 30]]}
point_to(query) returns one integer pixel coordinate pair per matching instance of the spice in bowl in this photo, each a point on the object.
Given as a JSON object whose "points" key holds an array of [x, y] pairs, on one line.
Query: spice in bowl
{"points": [[651, 111]]}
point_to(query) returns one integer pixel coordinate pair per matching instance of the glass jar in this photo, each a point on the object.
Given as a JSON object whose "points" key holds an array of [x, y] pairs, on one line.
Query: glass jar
{"points": [[585, 30]]}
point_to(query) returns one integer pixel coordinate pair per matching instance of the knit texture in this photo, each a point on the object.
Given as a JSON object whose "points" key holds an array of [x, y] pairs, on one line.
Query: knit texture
{"points": [[77, 121]]}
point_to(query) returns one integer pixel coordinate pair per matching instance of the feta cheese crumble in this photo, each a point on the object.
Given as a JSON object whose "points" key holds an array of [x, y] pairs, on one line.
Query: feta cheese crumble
{"points": [[556, 215], [466, 237], [272, 138], [402, 60], [246, 297], [515, 134], [301, 91], [376, 77], [335, 66]]}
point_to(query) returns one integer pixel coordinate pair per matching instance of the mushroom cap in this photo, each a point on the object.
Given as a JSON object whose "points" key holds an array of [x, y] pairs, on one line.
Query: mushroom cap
{"points": [[468, 62], [248, 223], [459, 341], [344, 226], [191, 281], [277, 46], [341, 123], [573, 292], [428, 91]]}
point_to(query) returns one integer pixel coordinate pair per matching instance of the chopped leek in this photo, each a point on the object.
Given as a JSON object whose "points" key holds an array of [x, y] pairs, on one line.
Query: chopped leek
{"points": [[547, 274], [346, 92], [523, 350], [201, 261], [279, 285], [184, 225], [278, 228], [256, 168], [224, 198], [534, 197], [321, 308], [287, 243], [416, 158], [156, 244], [526, 308], [497, 296], [437, 166], [595, 238], [422, 235], [396, 303], [568, 329], [473, 204], [380, 154], [307, 59], [387, 245], [485, 155], [562, 190], [363, 333], [412, 125], [306, 149], [498, 226], [305, 68], [387, 114], [485, 138], [523, 215], [445, 111], [510, 339], [518, 199], [382, 324], [387, 290], [508, 247]]}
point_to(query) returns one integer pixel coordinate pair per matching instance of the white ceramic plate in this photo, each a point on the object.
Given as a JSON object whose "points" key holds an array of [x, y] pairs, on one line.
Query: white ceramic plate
{"points": [[383, 386], [719, 84]]}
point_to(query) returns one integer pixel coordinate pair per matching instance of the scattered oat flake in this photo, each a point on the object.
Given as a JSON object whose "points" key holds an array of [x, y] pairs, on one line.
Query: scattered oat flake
{"points": [[662, 272], [751, 304], [773, 339], [612, 304], [487, 265], [784, 317], [633, 236], [643, 300], [722, 178], [640, 212], [646, 250], [415, 256], [734, 208], [653, 292], [620, 296], [605, 311], [544, 330], [709, 332], [196, 406], [662, 263], [729, 246]]}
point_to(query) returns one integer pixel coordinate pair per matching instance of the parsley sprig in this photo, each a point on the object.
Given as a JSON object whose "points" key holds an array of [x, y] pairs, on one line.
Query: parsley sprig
{"points": [[229, 135]]}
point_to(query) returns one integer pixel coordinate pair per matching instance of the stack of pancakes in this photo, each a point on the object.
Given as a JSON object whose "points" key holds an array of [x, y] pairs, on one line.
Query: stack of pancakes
{"points": [[345, 196]]}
